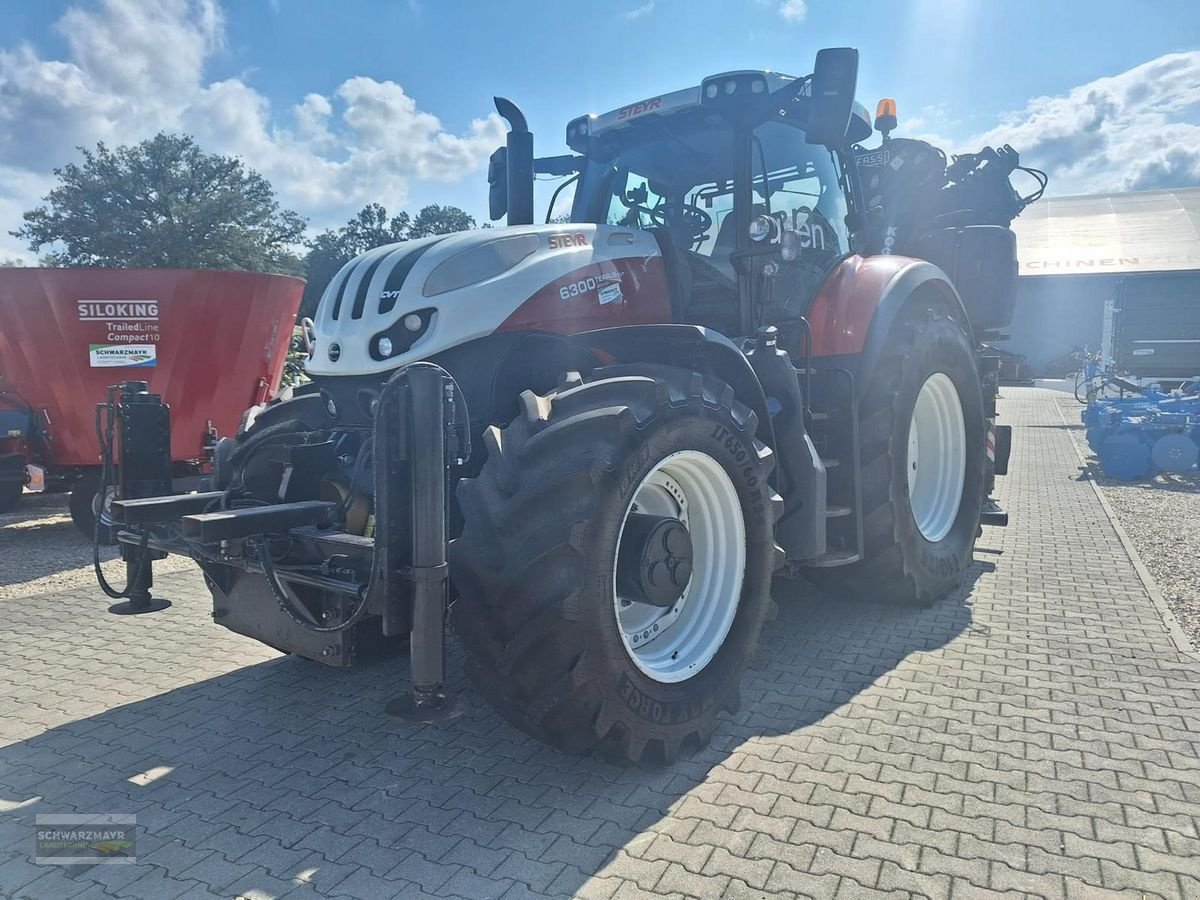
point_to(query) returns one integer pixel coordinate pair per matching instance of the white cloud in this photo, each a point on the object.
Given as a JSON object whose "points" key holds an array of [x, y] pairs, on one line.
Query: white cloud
{"points": [[793, 10], [17, 188], [638, 12], [931, 117], [312, 119], [135, 67], [1134, 131], [126, 47]]}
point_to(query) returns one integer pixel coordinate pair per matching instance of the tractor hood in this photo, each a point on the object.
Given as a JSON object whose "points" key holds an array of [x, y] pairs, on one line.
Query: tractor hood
{"points": [[407, 301]]}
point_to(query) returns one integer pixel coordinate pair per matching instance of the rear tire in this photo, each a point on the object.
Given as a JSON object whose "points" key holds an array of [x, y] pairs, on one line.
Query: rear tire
{"points": [[538, 608], [917, 546]]}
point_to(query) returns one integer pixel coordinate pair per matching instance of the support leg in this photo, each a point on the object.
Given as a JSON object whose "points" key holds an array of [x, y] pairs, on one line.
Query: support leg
{"points": [[139, 570], [426, 452]]}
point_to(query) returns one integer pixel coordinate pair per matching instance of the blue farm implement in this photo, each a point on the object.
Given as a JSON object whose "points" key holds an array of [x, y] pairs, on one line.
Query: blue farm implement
{"points": [[1144, 431]]}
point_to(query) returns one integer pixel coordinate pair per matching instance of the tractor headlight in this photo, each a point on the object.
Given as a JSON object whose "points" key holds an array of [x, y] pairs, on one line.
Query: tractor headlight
{"points": [[761, 227], [479, 263], [400, 336]]}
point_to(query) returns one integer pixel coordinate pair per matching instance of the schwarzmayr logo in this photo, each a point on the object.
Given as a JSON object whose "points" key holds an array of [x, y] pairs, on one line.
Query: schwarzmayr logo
{"points": [[79, 840], [101, 356]]}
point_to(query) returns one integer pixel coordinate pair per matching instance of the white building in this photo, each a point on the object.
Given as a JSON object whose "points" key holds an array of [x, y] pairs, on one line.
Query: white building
{"points": [[1114, 272]]}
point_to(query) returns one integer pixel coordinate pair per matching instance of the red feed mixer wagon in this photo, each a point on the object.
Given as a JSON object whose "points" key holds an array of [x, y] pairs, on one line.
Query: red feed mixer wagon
{"points": [[211, 343]]}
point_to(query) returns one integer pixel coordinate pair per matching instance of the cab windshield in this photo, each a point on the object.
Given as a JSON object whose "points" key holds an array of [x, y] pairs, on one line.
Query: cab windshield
{"points": [[678, 175]]}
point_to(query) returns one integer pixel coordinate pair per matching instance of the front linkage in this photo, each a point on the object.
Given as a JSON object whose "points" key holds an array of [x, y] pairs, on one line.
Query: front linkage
{"points": [[288, 573]]}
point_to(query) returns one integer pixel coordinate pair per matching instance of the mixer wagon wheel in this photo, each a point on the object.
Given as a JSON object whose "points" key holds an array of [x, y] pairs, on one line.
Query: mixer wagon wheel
{"points": [[922, 433], [85, 504], [614, 567], [10, 495]]}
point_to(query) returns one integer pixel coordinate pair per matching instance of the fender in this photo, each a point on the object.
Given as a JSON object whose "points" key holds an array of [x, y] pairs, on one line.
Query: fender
{"points": [[690, 347], [492, 371], [856, 306]]}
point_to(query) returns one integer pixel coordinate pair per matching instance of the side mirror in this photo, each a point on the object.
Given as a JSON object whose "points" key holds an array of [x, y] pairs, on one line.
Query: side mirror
{"points": [[498, 184], [834, 79]]}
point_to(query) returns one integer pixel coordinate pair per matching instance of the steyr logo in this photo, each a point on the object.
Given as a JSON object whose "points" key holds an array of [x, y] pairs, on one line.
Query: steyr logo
{"points": [[637, 109], [561, 241]]}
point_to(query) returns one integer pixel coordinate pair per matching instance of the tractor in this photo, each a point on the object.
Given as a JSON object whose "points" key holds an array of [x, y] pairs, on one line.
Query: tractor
{"points": [[755, 348]]}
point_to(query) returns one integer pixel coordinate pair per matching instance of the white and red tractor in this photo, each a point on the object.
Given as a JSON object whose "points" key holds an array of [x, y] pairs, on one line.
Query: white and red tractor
{"points": [[754, 348]]}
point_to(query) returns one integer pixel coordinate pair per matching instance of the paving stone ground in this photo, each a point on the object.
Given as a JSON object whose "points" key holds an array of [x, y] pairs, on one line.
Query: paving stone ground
{"points": [[1035, 735]]}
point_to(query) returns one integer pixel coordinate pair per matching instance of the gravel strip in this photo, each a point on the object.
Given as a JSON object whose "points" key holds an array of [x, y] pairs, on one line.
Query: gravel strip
{"points": [[42, 551], [1161, 515]]}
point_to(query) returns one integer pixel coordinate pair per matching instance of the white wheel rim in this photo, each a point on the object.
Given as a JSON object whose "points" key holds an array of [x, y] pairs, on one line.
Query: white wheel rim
{"points": [[673, 644], [937, 457]]}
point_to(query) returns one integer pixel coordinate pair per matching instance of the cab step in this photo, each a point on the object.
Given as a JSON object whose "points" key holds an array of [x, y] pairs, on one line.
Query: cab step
{"points": [[834, 558], [833, 419], [993, 514]]}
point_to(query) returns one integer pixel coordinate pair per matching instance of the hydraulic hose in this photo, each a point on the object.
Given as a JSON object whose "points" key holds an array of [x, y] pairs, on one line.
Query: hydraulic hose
{"points": [[289, 607], [105, 437]]}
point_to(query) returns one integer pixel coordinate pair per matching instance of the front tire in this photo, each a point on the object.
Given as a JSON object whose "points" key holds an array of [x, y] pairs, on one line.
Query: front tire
{"points": [[555, 640], [922, 432]]}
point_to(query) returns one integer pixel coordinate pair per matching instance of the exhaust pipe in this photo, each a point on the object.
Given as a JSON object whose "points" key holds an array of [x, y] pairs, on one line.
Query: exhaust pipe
{"points": [[519, 163]]}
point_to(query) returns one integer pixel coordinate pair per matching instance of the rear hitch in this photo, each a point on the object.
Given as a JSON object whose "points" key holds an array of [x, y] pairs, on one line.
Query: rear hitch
{"points": [[399, 572]]}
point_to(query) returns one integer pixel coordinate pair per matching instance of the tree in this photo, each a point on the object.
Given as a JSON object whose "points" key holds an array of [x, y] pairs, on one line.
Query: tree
{"points": [[434, 219], [164, 203], [371, 227]]}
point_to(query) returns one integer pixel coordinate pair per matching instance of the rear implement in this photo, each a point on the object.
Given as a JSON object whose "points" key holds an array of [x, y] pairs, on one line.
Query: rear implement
{"points": [[211, 343]]}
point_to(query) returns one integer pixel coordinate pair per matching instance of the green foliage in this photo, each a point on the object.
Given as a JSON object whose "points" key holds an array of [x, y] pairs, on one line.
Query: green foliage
{"points": [[164, 203], [370, 228], [434, 219], [293, 364]]}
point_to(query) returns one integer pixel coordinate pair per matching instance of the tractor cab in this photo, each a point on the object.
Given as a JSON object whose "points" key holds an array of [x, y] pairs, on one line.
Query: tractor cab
{"points": [[745, 181]]}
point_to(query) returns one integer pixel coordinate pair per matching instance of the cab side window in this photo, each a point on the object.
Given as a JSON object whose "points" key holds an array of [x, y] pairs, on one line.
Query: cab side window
{"points": [[798, 184]]}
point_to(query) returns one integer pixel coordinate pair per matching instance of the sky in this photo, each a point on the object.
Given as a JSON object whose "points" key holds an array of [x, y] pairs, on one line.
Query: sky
{"points": [[345, 103]]}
